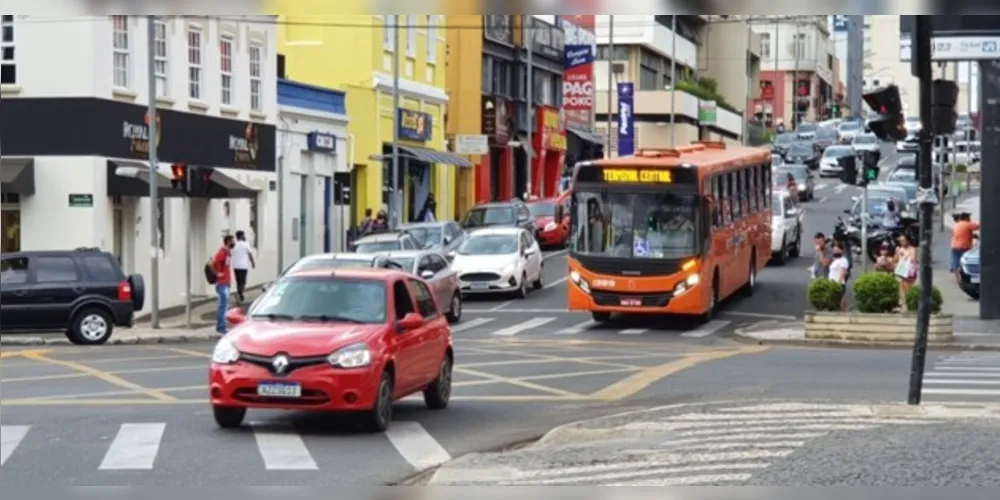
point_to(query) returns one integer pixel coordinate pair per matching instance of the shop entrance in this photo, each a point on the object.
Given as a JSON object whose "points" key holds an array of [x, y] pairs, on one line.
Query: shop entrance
{"points": [[10, 213]]}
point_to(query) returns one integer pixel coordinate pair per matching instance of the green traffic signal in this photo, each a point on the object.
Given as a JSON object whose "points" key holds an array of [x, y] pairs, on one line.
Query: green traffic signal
{"points": [[871, 174]]}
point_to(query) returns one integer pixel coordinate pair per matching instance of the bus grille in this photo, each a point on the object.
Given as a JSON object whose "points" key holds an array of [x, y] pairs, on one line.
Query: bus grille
{"points": [[615, 299], [628, 267]]}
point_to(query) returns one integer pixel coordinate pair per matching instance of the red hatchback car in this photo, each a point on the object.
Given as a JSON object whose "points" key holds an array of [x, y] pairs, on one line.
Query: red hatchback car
{"points": [[334, 340], [546, 211]]}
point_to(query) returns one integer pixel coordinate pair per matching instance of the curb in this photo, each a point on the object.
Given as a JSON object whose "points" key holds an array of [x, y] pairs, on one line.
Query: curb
{"points": [[142, 340], [740, 335]]}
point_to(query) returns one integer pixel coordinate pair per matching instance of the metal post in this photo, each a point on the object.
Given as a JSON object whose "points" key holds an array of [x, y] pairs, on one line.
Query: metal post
{"points": [[968, 130], [611, 83], [777, 74], [864, 228], [942, 156], [673, 79], [395, 205], [922, 46], [529, 45], [281, 211], [187, 265], [746, 101], [154, 162], [795, 79]]}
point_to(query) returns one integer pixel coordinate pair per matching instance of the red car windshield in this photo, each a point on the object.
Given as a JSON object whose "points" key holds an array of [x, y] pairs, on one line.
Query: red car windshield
{"points": [[542, 209], [309, 298]]}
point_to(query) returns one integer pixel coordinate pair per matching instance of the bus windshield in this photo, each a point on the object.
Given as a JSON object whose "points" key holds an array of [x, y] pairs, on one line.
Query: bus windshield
{"points": [[643, 225]]}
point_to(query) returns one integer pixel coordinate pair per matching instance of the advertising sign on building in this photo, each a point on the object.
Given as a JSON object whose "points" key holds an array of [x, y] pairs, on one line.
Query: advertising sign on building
{"points": [[552, 136], [708, 112], [578, 75], [626, 119], [414, 125]]}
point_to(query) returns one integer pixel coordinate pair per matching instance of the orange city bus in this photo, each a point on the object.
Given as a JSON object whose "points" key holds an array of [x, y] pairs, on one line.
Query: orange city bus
{"points": [[668, 231]]}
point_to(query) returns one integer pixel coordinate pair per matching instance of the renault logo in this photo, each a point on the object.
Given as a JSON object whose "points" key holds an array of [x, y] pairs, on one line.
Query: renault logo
{"points": [[280, 363]]}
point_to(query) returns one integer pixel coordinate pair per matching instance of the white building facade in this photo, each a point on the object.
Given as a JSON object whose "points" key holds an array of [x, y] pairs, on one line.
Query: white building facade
{"points": [[75, 115]]}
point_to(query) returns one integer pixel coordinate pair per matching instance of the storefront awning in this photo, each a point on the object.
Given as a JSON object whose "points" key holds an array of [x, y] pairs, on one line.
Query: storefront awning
{"points": [[589, 137], [224, 186], [17, 176], [426, 155], [131, 178]]}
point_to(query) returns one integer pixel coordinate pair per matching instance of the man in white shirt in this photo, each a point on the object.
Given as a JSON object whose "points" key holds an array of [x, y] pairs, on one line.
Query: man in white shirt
{"points": [[839, 269], [242, 257]]}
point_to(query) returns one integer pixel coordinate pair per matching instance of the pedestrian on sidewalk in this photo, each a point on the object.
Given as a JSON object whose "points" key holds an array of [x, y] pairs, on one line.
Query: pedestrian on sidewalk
{"points": [[962, 236], [223, 279], [823, 257], [839, 269], [884, 263], [366, 224], [906, 265], [243, 261]]}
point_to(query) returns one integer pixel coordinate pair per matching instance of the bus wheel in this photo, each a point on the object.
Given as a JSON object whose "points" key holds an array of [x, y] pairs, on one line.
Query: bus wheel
{"points": [[710, 313], [751, 278], [601, 317]]}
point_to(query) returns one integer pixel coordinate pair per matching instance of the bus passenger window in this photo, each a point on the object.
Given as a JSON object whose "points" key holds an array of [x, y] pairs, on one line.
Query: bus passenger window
{"points": [[754, 194], [734, 196], [716, 202]]}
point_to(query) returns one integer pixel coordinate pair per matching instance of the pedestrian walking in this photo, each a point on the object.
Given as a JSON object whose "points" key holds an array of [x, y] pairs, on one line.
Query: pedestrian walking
{"points": [[243, 261], [906, 266], [823, 257], [221, 263]]}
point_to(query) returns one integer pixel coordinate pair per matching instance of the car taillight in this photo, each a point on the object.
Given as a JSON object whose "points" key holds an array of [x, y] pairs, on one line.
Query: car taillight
{"points": [[124, 291]]}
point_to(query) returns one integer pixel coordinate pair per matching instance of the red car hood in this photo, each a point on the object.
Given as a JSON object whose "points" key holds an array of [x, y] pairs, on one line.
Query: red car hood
{"points": [[542, 220], [267, 338]]}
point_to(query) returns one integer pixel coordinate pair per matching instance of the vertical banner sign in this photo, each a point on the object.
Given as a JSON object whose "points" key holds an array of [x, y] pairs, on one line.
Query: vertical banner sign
{"points": [[578, 72], [626, 119]]}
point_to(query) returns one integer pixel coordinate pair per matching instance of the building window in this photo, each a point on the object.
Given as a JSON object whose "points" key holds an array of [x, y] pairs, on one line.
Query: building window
{"points": [[411, 36], [161, 62], [121, 50], [388, 33], [496, 77], [621, 53], [544, 89], [8, 67], [431, 39], [799, 49], [256, 84], [765, 45], [194, 63], [649, 78], [226, 68]]}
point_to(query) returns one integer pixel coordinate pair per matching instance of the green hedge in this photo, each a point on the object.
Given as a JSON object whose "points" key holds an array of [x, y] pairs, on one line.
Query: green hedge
{"points": [[705, 89], [876, 293], [913, 299], [824, 294]]}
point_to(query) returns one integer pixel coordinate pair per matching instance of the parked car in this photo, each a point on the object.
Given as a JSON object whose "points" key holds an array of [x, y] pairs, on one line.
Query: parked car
{"points": [[386, 242], [499, 260], [445, 236], [550, 231], [354, 340], [804, 182], [970, 273], [83, 292], [783, 180], [803, 152], [434, 267], [830, 165], [513, 213], [786, 228], [339, 261]]}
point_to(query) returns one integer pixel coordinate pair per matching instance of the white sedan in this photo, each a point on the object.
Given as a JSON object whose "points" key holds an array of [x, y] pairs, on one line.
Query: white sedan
{"points": [[786, 228], [499, 260]]}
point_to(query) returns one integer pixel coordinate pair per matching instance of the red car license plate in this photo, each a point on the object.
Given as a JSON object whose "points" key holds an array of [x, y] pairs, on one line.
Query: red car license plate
{"points": [[631, 302]]}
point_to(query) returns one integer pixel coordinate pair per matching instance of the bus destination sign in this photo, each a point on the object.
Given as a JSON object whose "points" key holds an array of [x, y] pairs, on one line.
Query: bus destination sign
{"points": [[635, 175]]}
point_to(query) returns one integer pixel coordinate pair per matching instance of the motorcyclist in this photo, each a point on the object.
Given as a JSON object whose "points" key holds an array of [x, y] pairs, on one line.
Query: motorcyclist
{"points": [[891, 217]]}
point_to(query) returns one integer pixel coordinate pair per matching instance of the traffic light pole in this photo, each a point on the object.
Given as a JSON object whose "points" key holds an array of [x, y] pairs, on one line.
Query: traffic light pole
{"points": [[864, 226], [154, 162], [922, 61]]}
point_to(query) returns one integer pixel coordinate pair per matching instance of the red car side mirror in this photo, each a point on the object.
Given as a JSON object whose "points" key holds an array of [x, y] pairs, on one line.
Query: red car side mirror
{"points": [[411, 321], [235, 316]]}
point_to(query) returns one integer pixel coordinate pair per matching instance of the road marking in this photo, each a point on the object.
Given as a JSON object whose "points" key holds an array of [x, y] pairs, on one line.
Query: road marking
{"points": [[518, 311], [62, 376], [103, 375], [633, 331], [283, 450], [520, 383], [468, 325], [934, 373], [636, 383], [928, 381], [962, 392], [416, 445], [520, 327], [575, 329], [821, 200], [759, 315], [134, 448], [967, 368], [707, 329], [556, 282], [839, 188], [820, 187], [23, 352], [10, 438]]}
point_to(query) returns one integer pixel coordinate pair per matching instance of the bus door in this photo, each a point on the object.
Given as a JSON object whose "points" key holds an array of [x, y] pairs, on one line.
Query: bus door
{"points": [[722, 233]]}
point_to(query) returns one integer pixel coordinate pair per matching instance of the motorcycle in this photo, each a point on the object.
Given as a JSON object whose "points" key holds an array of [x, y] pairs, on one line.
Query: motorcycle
{"points": [[877, 236]]}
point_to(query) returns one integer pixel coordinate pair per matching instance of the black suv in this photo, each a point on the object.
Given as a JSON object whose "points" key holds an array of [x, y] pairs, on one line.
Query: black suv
{"points": [[513, 213], [82, 292]]}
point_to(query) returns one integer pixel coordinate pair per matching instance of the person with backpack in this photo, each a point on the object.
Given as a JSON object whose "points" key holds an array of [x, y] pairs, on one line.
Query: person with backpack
{"points": [[220, 265]]}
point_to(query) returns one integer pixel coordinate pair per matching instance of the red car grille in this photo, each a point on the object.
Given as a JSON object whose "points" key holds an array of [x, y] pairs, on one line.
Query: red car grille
{"points": [[310, 397]]}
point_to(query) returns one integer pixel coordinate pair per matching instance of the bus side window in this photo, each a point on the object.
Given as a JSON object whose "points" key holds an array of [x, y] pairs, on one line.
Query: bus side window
{"points": [[744, 191], [754, 198], [716, 202], [766, 185], [734, 197]]}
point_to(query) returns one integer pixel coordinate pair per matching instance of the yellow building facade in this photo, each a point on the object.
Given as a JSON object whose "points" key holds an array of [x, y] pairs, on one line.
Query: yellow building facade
{"points": [[465, 94], [355, 54]]}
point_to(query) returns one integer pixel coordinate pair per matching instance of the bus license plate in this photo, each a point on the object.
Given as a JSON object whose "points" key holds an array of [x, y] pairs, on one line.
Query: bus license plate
{"points": [[279, 389], [631, 302]]}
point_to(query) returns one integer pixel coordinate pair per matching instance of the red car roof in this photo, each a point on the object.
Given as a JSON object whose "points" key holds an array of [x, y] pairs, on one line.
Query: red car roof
{"points": [[355, 273]]}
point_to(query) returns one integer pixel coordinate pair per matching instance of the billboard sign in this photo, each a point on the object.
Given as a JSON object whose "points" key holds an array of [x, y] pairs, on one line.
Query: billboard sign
{"points": [[626, 119], [578, 71]]}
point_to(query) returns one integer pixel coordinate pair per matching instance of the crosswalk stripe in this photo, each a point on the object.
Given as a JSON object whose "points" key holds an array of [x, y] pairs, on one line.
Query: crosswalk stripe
{"points": [[520, 327], [10, 438], [467, 325], [283, 450], [416, 445], [134, 448], [961, 392], [960, 381], [633, 331], [840, 188], [707, 329], [575, 329], [978, 374], [966, 368]]}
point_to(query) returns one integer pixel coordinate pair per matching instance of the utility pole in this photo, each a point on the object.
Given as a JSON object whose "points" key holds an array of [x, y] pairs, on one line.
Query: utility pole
{"points": [[154, 163], [673, 79], [611, 81], [795, 79], [746, 101], [922, 64], [395, 205], [777, 74], [530, 45]]}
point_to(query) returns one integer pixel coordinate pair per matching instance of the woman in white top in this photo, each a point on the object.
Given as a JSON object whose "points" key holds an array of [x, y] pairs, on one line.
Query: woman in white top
{"points": [[839, 267]]}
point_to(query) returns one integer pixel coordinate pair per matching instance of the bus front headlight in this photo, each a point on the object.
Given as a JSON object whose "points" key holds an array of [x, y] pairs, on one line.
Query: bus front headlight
{"points": [[579, 281], [686, 284]]}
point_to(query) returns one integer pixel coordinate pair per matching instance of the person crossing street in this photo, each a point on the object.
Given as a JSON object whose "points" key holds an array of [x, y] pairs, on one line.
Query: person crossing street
{"points": [[243, 261]]}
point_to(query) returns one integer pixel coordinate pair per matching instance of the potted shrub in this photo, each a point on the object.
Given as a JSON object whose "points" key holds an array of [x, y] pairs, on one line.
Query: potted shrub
{"points": [[913, 299], [876, 293], [824, 294]]}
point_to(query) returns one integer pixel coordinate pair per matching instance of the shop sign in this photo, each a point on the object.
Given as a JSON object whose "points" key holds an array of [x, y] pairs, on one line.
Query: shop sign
{"points": [[319, 141], [245, 147], [77, 200], [578, 86], [137, 134], [414, 125], [495, 115], [708, 112], [626, 119], [551, 135], [472, 144]]}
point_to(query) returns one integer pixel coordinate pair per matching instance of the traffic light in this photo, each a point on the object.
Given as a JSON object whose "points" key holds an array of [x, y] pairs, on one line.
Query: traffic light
{"points": [[869, 167], [178, 177], [944, 96], [835, 111], [201, 181], [848, 170], [887, 122]]}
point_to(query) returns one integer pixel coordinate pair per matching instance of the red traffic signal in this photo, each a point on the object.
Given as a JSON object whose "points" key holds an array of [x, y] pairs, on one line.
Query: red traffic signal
{"points": [[887, 124], [178, 172]]}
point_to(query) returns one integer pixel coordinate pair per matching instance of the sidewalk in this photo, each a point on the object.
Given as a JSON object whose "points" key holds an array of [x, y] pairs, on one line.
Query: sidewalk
{"points": [[742, 443], [971, 334]]}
